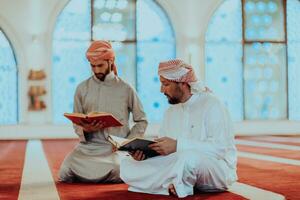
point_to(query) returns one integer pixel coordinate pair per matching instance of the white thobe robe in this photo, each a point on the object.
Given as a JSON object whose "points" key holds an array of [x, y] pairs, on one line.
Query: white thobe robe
{"points": [[205, 157], [92, 159]]}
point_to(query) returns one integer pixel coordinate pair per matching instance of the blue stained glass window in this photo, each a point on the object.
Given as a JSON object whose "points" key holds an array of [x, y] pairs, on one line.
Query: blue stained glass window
{"points": [[293, 29], [155, 42], [125, 61], [224, 75], [226, 23], [223, 52], [70, 67], [264, 20], [137, 59], [264, 68], [8, 83], [114, 20], [265, 81]]}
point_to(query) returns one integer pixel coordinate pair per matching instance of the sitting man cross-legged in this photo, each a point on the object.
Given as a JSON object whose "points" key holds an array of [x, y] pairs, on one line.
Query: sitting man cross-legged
{"points": [[196, 141]]}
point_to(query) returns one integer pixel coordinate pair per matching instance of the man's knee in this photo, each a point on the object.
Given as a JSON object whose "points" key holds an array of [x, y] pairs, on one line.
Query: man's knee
{"points": [[65, 175], [114, 176], [191, 160]]}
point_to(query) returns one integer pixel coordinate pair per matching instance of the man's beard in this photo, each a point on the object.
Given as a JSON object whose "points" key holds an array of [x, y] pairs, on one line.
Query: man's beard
{"points": [[101, 76], [172, 100]]}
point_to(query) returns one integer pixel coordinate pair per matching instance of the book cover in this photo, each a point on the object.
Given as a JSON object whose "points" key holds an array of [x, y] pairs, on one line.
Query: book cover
{"points": [[133, 144], [107, 119]]}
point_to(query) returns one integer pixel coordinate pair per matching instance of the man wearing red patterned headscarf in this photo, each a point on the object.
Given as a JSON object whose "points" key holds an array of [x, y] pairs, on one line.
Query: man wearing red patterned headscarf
{"points": [[180, 75], [93, 159], [196, 141], [100, 54]]}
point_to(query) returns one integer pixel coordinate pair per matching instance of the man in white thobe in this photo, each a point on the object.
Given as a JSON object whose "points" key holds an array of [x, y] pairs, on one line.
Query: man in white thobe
{"points": [[196, 141], [93, 159]]}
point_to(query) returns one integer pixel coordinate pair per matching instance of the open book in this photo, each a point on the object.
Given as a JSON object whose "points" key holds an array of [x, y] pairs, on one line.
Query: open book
{"points": [[131, 145], [107, 119]]}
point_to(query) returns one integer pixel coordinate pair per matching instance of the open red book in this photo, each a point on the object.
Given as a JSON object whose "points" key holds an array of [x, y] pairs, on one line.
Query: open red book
{"points": [[107, 119]]}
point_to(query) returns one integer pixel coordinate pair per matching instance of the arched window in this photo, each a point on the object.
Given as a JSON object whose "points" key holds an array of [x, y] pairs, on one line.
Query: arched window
{"points": [[139, 46], [153, 45], [293, 49], [70, 67], [251, 48], [8, 83]]}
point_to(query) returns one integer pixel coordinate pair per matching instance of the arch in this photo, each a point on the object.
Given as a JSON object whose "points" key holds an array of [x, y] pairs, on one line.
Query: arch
{"points": [[172, 14], [16, 45], [138, 46], [223, 56], [21, 61], [153, 46], [9, 113], [71, 38]]}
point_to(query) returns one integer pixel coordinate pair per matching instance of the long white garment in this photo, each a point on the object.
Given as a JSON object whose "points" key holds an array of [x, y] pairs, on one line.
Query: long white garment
{"points": [[205, 156]]}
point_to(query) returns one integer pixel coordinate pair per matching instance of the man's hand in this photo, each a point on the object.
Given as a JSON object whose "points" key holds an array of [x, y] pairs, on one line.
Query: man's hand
{"points": [[164, 145], [91, 127], [138, 155]]}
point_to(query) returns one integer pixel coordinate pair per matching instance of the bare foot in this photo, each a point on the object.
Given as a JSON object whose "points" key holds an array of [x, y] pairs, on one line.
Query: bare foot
{"points": [[172, 190]]}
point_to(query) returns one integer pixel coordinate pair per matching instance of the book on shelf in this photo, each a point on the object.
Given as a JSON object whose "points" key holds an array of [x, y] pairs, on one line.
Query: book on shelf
{"points": [[131, 145], [107, 119]]}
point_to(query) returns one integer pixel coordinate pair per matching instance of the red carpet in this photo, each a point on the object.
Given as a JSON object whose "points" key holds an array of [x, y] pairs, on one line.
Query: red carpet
{"points": [[275, 177], [290, 154], [56, 150], [281, 139], [12, 155]]}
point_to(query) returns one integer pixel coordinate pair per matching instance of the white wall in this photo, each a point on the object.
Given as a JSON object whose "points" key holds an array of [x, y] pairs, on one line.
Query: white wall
{"points": [[29, 25]]}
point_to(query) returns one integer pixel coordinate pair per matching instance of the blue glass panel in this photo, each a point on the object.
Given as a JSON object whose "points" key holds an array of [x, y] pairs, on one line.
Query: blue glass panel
{"points": [[294, 80], [265, 81], [224, 75], [293, 28], [114, 20], [152, 23], [70, 67], [293, 22], [155, 42], [264, 20], [226, 23], [223, 56], [125, 61], [149, 56], [8, 83]]}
